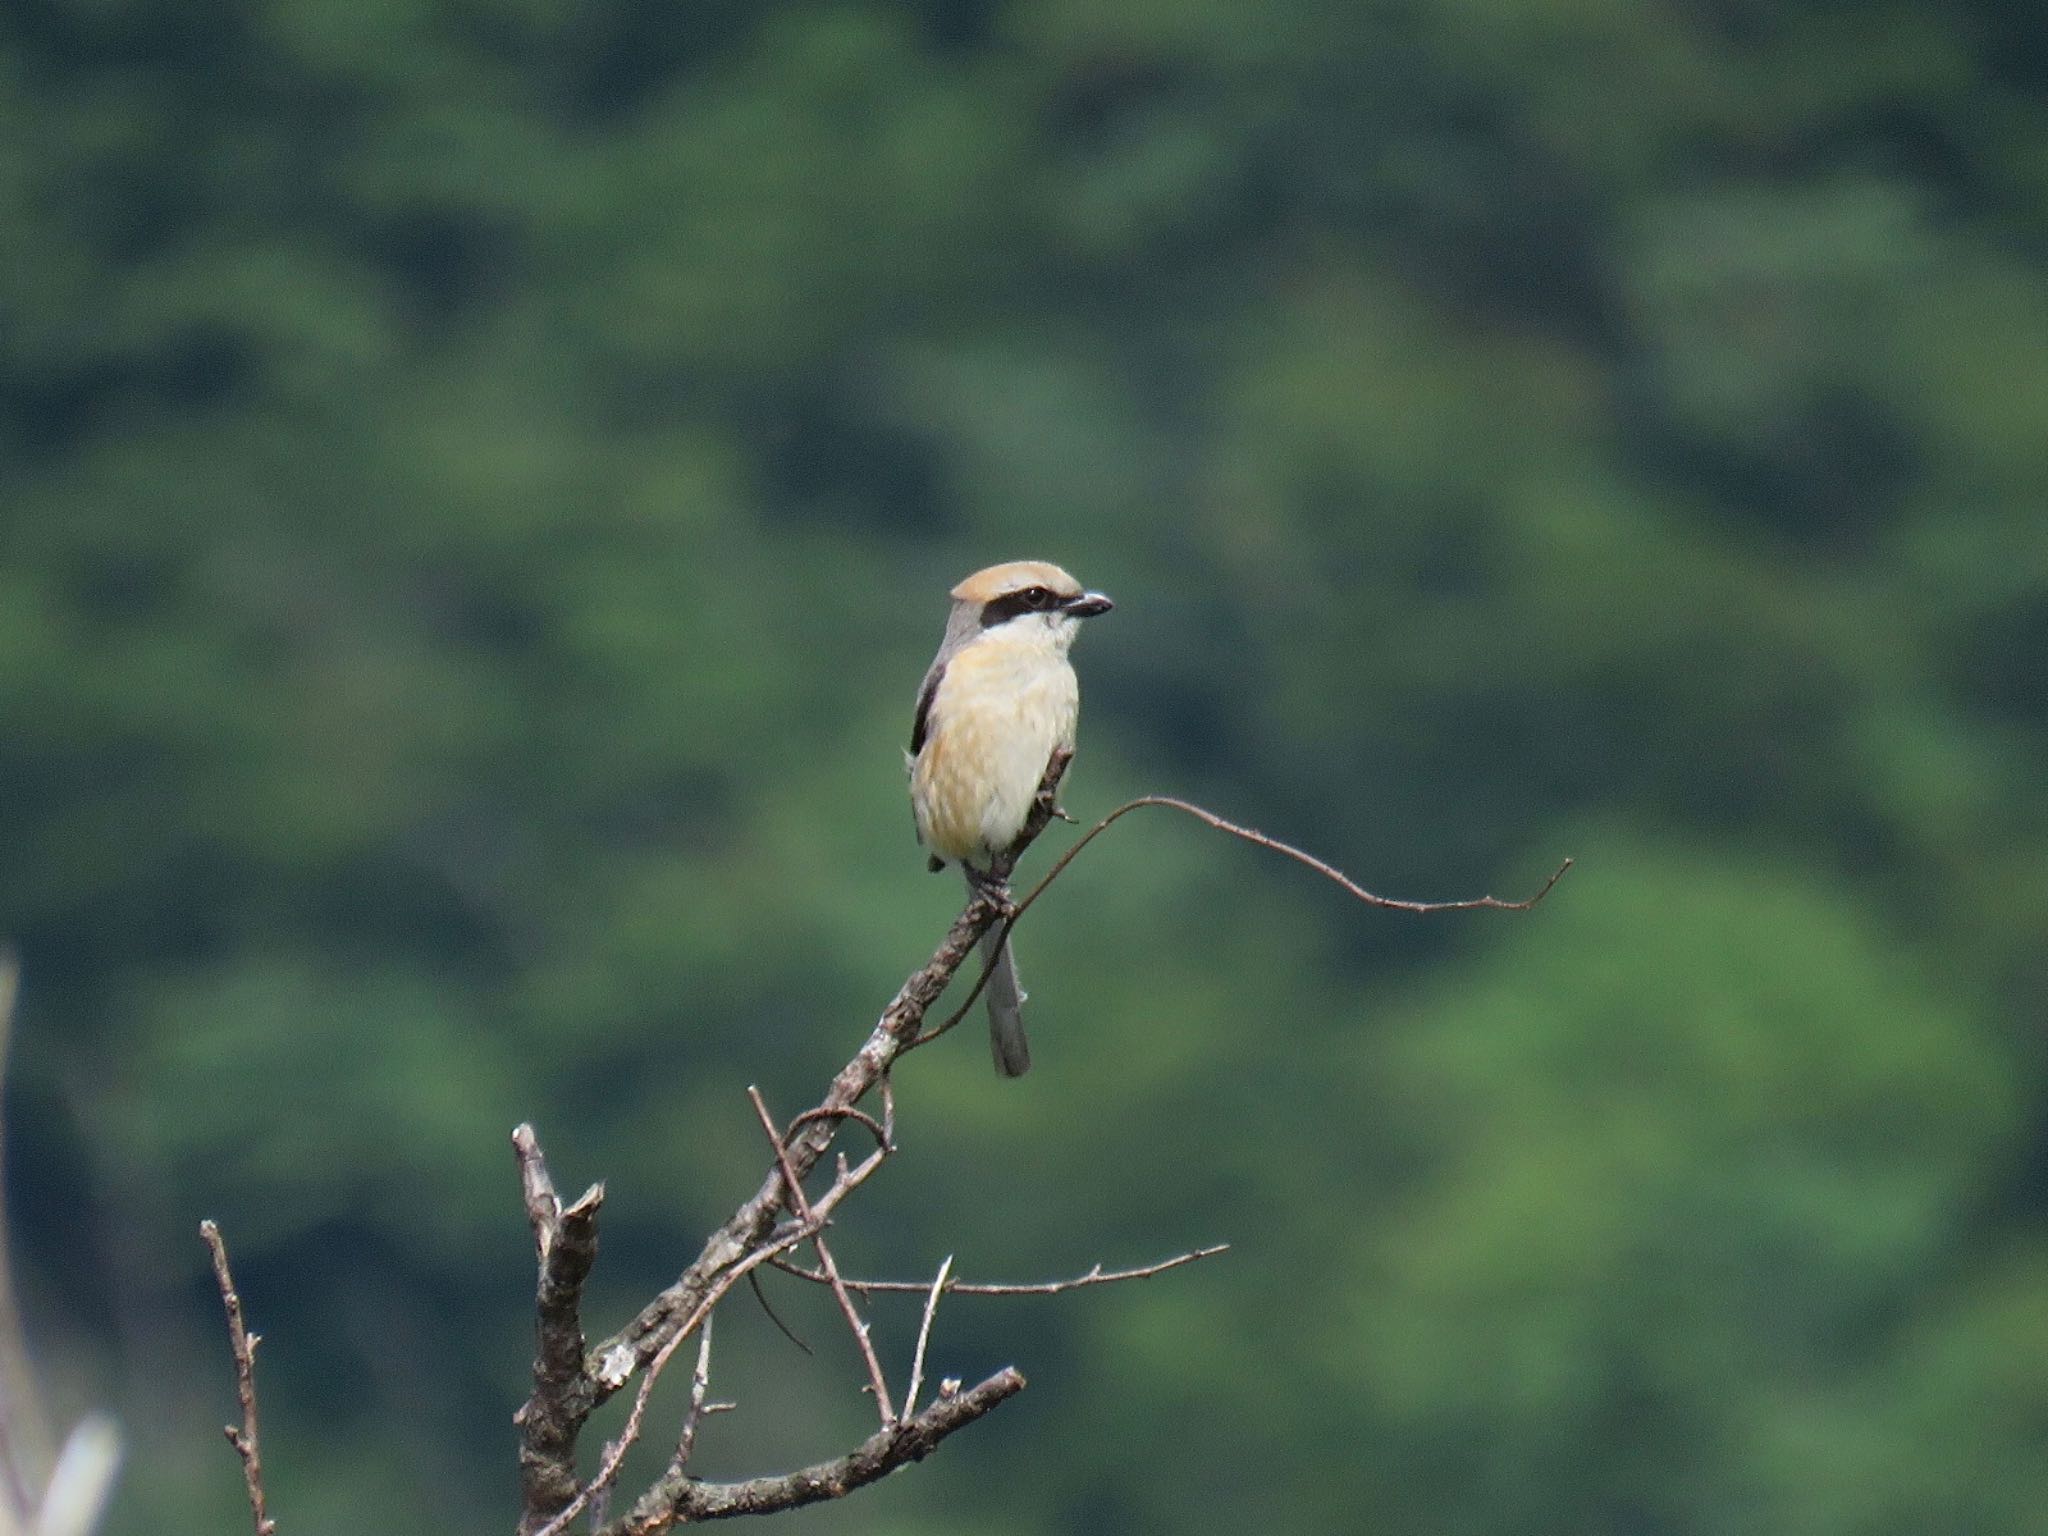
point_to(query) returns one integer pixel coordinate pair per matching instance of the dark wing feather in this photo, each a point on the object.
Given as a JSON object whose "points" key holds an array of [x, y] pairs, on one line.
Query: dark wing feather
{"points": [[921, 726]]}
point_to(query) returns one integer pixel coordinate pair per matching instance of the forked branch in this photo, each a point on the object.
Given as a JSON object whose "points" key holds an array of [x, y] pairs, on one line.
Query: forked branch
{"points": [[572, 1379], [751, 1238], [565, 1246], [680, 1500], [616, 1360]]}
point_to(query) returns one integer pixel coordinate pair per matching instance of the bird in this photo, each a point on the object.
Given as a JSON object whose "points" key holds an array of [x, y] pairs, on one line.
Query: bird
{"points": [[998, 700]]}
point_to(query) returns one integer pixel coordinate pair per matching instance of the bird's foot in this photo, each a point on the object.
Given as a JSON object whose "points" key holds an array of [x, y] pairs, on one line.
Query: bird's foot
{"points": [[987, 887]]}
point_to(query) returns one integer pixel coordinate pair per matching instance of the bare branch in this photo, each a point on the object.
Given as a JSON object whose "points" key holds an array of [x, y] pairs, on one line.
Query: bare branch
{"points": [[615, 1453], [1248, 834], [678, 1499], [924, 1334], [243, 1343], [800, 1207], [554, 1416], [570, 1381], [565, 1241], [699, 1410], [1096, 1276], [614, 1362]]}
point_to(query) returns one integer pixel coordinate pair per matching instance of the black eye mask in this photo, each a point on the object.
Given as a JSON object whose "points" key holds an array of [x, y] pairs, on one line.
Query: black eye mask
{"points": [[1000, 610]]}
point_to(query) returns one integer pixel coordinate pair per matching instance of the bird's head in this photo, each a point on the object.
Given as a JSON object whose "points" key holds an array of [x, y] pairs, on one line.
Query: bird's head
{"points": [[1027, 597]]}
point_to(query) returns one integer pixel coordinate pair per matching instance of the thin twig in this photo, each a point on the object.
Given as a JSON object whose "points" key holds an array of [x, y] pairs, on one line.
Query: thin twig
{"points": [[1096, 1276], [699, 1410], [800, 1207], [682, 1500], [1327, 871], [846, 1181], [245, 1440], [1248, 834], [768, 1310], [837, 1112], [924, 1333]]}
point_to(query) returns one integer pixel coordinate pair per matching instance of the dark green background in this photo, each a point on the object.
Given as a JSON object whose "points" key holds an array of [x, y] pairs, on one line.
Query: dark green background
{"points": [[478, 482]]}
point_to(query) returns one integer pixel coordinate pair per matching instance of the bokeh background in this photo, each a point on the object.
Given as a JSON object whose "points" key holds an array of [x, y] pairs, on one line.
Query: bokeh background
{"points": [[478, 480]]}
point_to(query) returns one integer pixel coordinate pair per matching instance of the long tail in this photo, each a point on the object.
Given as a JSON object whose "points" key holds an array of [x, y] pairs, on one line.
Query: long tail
{"points": [[1005, 999]]}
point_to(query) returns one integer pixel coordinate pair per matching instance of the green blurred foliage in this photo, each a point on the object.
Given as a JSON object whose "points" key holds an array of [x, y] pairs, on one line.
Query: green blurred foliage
{"points": [[477, 482]]}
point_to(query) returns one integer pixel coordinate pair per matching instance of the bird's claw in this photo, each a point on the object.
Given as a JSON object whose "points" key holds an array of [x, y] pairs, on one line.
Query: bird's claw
{"points": [[985, 885]]}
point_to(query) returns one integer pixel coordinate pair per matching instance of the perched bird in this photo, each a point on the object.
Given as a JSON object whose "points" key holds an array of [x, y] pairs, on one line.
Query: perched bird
{"points": [[999, 699]]}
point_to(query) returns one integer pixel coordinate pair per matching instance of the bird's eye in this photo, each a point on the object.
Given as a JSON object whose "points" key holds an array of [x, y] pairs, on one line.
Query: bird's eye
{"points": [[1036, 597]]}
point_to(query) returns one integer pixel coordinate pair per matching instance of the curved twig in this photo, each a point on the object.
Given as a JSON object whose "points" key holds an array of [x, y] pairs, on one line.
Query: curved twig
{"points": [[1250, 835], [838, 1112], [773, 1316]]}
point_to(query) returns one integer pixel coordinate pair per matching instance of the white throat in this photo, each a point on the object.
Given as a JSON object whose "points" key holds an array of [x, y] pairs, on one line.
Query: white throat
{"points": [[1051, 633]]}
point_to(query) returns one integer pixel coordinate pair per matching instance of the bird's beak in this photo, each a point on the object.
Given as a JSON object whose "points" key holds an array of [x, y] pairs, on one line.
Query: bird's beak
{"points": [[1087, 605]]}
